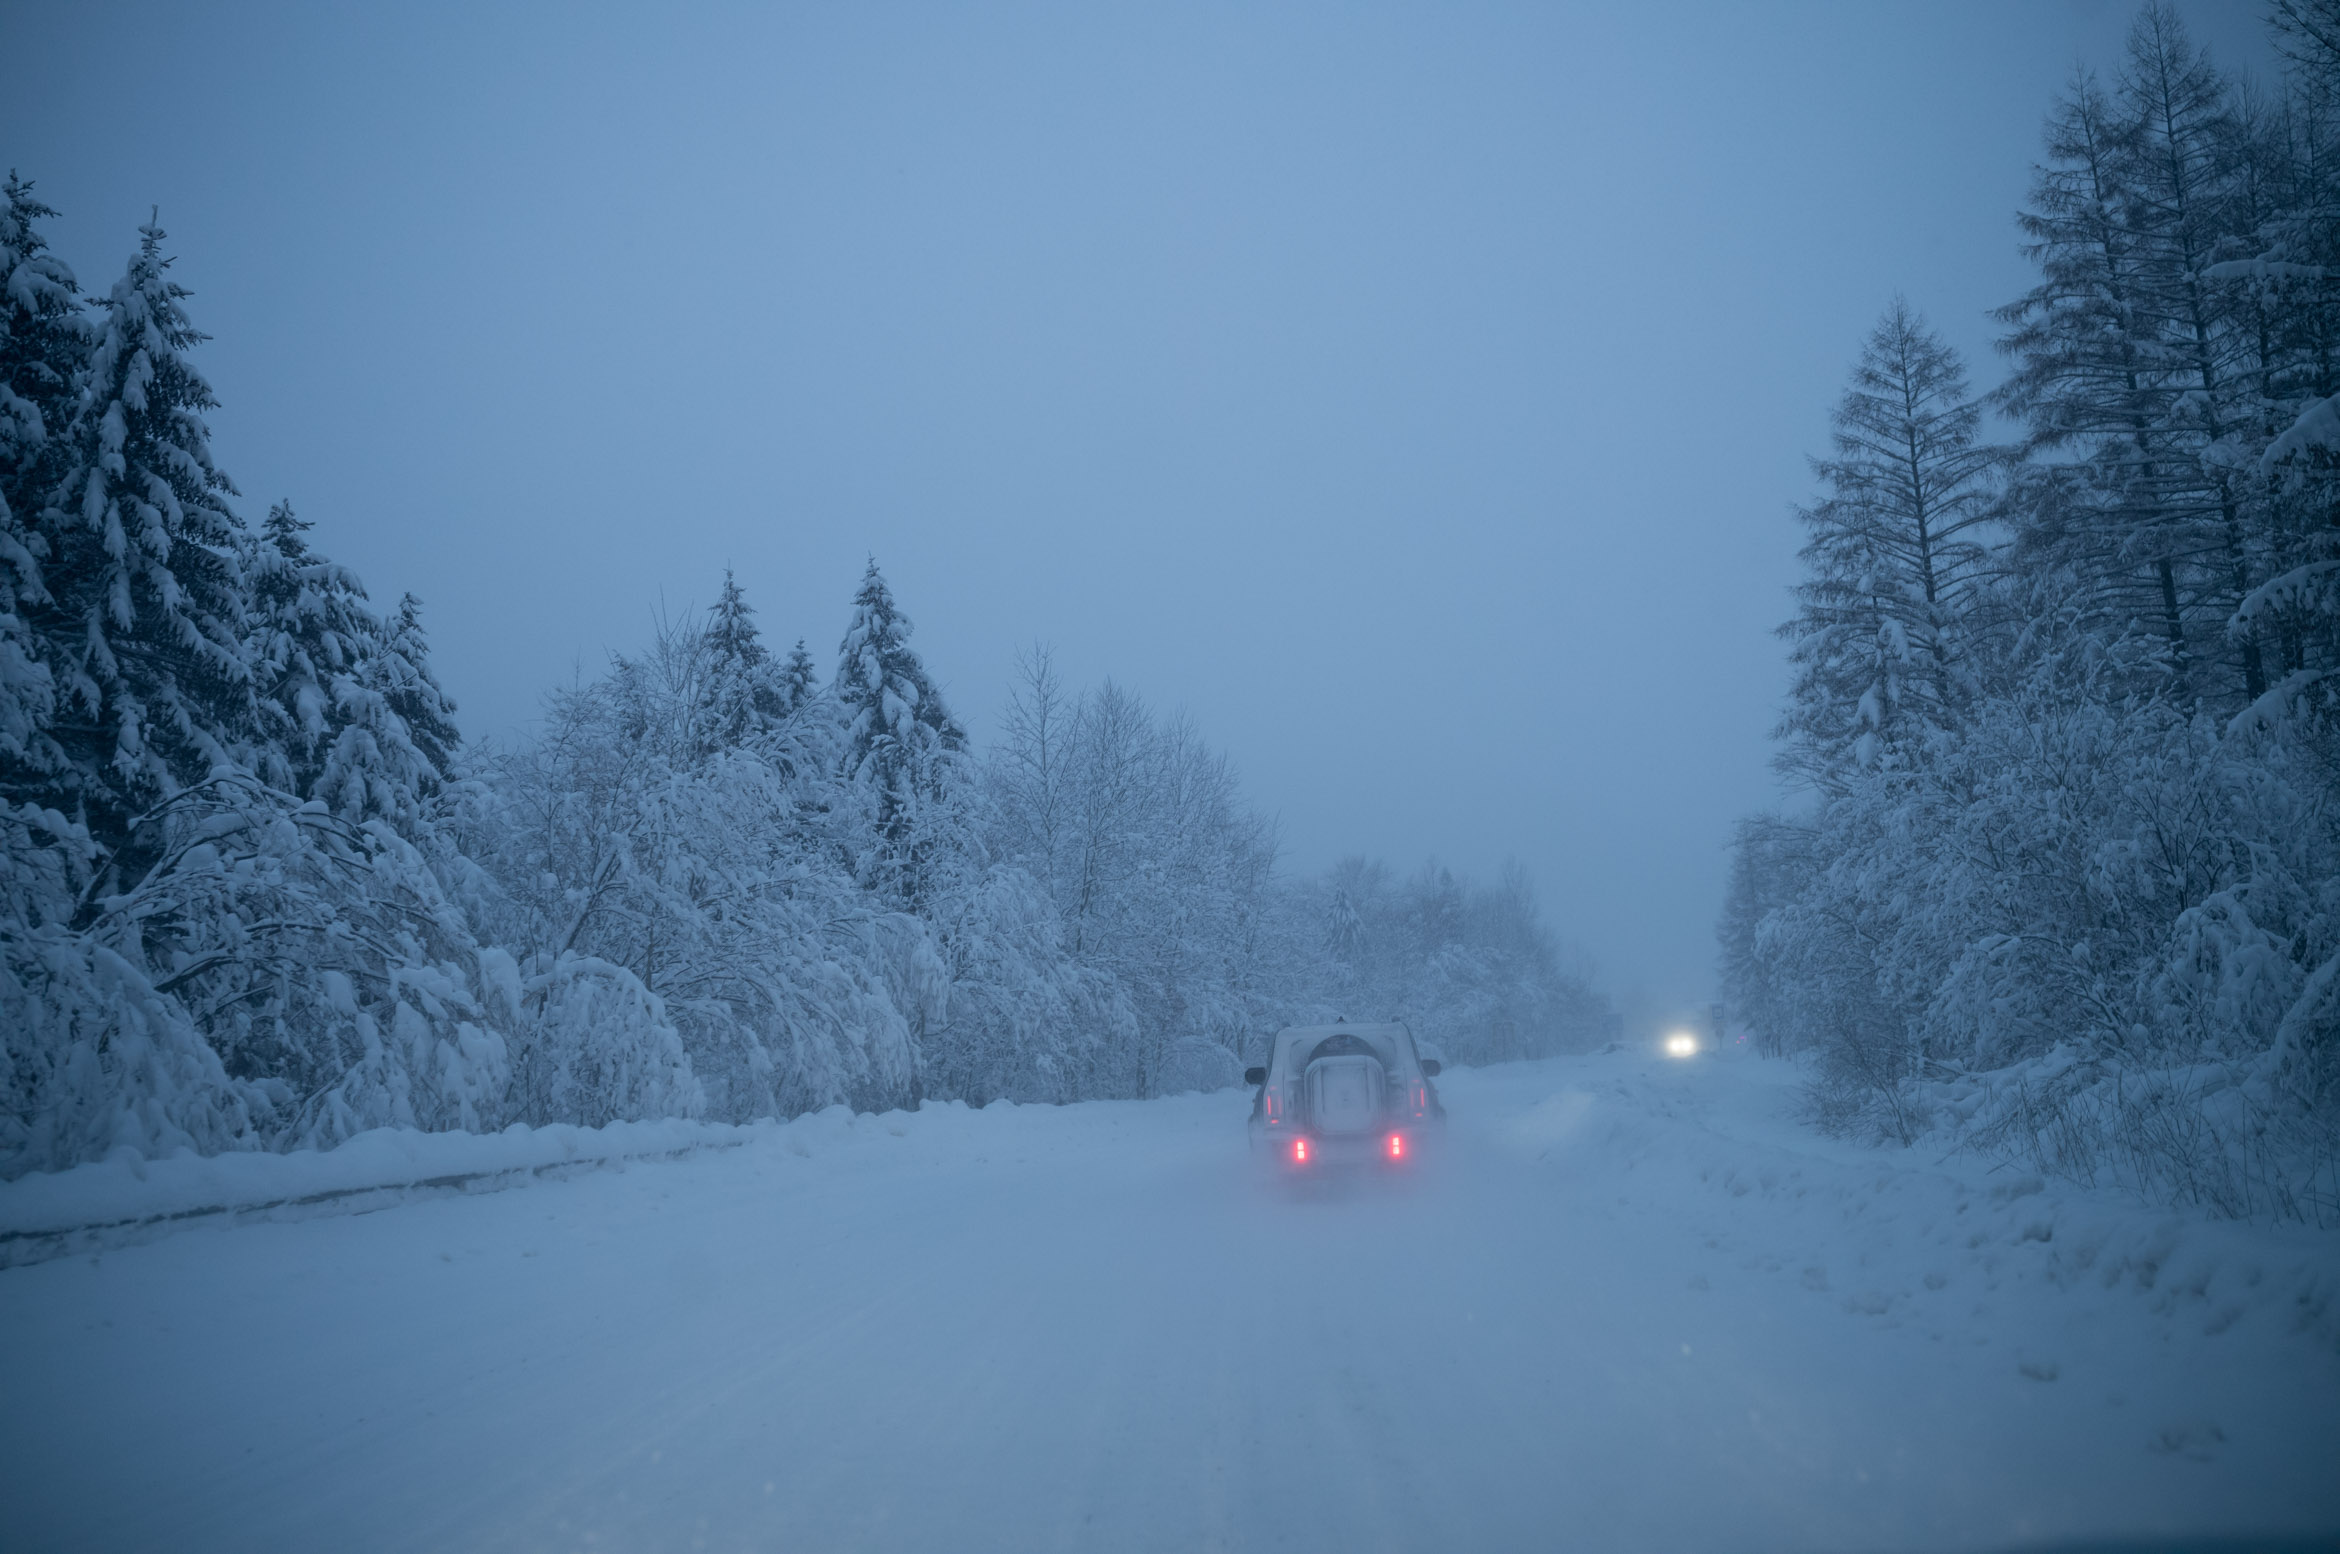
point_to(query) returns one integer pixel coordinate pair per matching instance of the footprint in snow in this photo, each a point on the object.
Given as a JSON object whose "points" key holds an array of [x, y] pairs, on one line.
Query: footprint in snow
{"points": [[2195, 1439]]}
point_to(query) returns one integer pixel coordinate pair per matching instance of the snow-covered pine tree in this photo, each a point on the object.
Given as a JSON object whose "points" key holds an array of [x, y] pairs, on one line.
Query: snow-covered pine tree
{"points": [[143, 623], [899, 737], [1894, 559], [43, 341]]}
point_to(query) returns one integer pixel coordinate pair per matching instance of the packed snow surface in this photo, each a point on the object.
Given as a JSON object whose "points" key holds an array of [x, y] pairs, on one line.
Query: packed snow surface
{"points": [[1626, 1304]]}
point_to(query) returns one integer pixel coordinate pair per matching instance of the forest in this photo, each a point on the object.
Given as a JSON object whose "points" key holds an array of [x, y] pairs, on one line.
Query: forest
{"points": [[2062, 879], [258, 892]]}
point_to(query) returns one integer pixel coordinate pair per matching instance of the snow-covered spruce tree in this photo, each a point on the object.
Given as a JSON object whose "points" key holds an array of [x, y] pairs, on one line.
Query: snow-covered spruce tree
{"points": [[901, 742], [1895, 559], [198, 956], [43, 342], [742, 697], [325, 728], [141, 628], [800, 679], [399, 671]]}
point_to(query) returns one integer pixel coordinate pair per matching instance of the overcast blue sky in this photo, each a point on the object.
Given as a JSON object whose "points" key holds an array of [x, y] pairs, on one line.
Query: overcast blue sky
{"points": [[1416, 395]]}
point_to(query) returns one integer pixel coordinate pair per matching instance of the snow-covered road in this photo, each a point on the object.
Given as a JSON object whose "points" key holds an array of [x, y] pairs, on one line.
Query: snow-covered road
{"points": [[1627, 1305]]}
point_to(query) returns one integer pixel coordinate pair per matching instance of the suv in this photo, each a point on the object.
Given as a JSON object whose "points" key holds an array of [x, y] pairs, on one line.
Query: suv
{"points": [[1342, 1092]]}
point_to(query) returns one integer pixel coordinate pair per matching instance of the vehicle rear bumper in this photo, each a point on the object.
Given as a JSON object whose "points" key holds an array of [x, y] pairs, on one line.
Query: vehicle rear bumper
{"points": [[1335, 1149]]}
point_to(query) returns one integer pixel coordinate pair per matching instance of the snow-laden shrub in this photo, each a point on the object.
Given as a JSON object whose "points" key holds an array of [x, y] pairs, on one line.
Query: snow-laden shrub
{"points": [[2200, 1134], [1022, 1020], [715, 875], [274, 978], [594, 1046], [97, 1061], [2127, 914], [319, 960]]}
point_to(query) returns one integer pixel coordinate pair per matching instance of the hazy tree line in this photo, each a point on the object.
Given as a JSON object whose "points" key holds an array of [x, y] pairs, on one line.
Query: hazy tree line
{"points": [[2068, 709], [256, 892]]}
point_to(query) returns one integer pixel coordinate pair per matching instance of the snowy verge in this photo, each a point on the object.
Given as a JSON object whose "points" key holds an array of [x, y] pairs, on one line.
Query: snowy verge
{"points": [[1901, 1236], [39, 1211]]}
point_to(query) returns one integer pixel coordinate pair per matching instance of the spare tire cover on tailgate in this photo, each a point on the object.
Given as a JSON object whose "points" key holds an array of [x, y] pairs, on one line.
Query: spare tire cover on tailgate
{"points": [[1344, 1093]]}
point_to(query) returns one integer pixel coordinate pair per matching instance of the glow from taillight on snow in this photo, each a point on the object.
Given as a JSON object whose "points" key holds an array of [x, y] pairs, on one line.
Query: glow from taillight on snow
{"points": [[1300, 1151], [1681, 1045], [1397, 1146]]}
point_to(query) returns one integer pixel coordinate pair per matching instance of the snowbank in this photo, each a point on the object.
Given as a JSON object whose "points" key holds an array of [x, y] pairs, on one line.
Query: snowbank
{"points": [[129, 1191], [1906, 1235]]}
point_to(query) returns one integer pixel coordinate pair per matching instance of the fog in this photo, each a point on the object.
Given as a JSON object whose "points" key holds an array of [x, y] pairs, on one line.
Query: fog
{"points": [[1441, 938], [1415, 396]]}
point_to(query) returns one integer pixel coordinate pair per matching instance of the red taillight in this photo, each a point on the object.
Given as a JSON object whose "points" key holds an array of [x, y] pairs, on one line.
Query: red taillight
{"points": [[1300, 1151], [1397, 1146]]}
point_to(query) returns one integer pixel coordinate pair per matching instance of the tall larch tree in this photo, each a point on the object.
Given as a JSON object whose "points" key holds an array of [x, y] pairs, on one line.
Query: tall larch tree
{"points": [[2082, 384], [1894, 558], [2188, 155], [2307, 33], [2285, 288], [2136, 372]]}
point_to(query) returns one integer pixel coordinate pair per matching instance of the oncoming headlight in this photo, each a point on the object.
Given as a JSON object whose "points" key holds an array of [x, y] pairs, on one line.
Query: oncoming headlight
{"points": [[1681, 1045]]}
